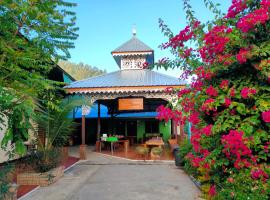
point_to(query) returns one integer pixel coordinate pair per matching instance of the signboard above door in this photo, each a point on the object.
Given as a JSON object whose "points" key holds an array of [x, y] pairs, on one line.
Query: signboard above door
{"points": [[125, 104]]}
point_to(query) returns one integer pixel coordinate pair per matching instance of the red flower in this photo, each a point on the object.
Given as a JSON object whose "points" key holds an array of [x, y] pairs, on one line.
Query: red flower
{"points": [[242, 56], [224, 84], [183, 92], [236, 7], [258, 174], [178, 40], [227, 102], [145, 65], [168, 90], [232, 92], [164, 113], [266, 116], [215, 42], [207, 130], [247, 92], [211, 91], [235, 148], [259, 16], [194, 118], [208, 105], [212, 191]]}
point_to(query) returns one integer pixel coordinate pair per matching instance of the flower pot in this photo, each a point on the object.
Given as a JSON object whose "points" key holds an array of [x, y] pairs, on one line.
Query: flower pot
{"points": [[12, 192], [177, 158], [41, 179]]}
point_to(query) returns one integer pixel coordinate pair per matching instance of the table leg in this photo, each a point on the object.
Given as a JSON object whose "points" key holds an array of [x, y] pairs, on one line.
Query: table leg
{"points": [[112, 148]]}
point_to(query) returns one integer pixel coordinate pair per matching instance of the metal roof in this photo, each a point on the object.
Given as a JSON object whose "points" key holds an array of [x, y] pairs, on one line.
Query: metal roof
{"points": [[132, 45], [122, 78]]}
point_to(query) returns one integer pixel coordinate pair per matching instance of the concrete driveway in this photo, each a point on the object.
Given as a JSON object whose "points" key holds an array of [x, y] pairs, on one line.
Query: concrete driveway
{"points": [[106, 178]]}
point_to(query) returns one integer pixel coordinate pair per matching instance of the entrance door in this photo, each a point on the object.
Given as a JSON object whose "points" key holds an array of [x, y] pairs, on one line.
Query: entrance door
{"points": [[132, 128], [120, 127]]}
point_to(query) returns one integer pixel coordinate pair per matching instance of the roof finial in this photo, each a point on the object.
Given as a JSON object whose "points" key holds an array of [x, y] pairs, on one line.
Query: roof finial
{"points": [[134, 32]]}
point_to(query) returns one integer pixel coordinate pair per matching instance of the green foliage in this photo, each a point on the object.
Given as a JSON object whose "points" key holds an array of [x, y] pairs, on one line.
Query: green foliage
{"points": [[45, 160], [56, 125], [185, 148], [33, 34], [80, 71], [5, 180]]}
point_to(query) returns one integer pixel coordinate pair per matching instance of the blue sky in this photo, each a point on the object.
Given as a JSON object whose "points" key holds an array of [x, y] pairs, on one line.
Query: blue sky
{"points": [[106, 24]]}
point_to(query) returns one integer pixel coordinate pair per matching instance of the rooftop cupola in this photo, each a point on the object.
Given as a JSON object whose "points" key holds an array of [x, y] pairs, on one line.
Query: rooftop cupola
{"points": [[133, 53]]}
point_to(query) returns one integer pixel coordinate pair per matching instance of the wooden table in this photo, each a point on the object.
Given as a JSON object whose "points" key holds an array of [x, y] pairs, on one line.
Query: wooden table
{"points": [[125, 143], [155, 142]]}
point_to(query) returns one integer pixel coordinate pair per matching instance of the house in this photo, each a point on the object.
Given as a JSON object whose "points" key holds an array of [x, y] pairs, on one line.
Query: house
{"points": [[125, 101]]}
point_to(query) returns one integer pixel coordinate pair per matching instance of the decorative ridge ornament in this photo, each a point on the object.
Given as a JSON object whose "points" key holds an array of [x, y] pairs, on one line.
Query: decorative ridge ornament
{"points": [[134, 31]]}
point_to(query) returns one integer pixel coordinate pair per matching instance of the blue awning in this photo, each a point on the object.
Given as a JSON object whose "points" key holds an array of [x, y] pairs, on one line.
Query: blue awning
{"points": [[77, 113]]}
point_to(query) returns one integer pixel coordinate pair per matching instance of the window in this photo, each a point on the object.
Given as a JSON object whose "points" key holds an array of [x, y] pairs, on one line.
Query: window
{"points": [[152, 126]]}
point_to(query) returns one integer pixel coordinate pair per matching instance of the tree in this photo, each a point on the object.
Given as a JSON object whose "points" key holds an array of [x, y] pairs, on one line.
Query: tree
{"points": [[80, 71], [34, 35], [228, 101]]}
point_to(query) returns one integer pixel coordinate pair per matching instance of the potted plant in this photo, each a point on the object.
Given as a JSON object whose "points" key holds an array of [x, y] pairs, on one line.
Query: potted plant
{"points": [[48, 158], [143, 151], [156, 152]]}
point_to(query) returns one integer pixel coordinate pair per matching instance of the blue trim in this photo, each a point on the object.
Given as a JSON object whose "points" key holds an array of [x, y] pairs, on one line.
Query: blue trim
{"points": [[77, 113]]}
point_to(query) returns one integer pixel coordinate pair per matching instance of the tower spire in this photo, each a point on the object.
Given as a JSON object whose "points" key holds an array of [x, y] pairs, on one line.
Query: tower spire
{"points": [[134, 31]]}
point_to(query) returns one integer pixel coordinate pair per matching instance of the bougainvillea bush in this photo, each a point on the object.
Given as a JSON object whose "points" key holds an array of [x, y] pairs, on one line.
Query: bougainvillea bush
{"points": [[228, 100]]}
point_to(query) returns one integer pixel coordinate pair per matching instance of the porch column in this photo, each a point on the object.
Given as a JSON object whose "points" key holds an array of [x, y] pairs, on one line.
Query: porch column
{"points": [[98, 143], [83, 146], [98, 123]]}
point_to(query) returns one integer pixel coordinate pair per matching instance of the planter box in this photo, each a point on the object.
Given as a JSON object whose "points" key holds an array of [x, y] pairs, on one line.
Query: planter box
{"points": [[12, 192], [41, 179], [154, 157]]}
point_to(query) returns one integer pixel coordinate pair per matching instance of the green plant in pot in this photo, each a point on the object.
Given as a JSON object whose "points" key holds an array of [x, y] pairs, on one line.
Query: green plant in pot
{"points": [[156, 152], [56, 127], [143, 151]]}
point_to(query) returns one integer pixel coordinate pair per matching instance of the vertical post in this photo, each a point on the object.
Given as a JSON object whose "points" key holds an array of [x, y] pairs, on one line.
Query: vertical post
{"points": [[112, 125], [98, 143], [98, 124], [83, 146], [83, 129]]}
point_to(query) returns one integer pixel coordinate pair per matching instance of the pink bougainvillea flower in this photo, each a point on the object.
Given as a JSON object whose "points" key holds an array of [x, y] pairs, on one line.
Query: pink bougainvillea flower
{"points": [[164, 113], [266, 116], [179, 40], [247, 92], [232, 92], [224, 84], [194, 118], [227, 102], [212, 191], [211, 91], [236, 7], [208, 106], [145, 65], [243, 55], [215, 42], [235, 148], [249, 21], [207, 130], [259, 174], [183, 92], [168, 90]]}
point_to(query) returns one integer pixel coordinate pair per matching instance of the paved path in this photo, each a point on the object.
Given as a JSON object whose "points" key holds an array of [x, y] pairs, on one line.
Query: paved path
{"points": [[106, 178]]}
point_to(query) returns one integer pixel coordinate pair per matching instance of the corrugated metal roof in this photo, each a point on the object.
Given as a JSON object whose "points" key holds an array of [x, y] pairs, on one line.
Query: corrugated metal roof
{"points": [[133, 45], [142, 77]]}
